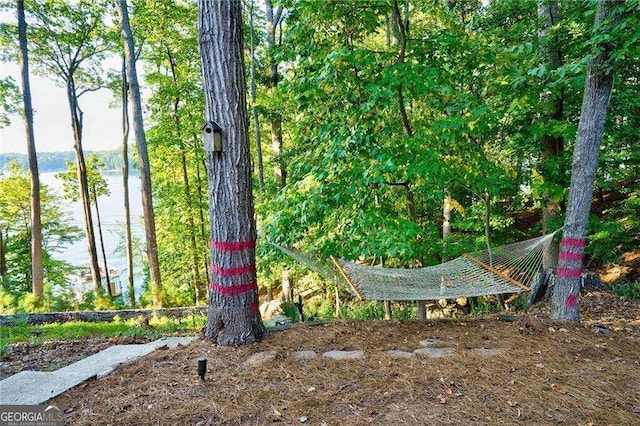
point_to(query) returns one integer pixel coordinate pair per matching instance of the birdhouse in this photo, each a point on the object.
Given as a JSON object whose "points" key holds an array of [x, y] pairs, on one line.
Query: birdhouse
{"points": [[212, 136]]}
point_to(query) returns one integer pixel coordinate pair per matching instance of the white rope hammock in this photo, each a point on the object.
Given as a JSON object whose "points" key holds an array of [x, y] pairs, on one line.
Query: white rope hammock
{"points": [[510, 268]]}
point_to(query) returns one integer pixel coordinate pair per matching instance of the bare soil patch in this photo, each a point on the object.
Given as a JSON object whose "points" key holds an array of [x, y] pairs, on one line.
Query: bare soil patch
{"points": [[546, 373]]}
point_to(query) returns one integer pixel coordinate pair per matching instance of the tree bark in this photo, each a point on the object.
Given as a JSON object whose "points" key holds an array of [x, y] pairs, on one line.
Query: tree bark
{"points": [[254, 108], [234, 317], [125, 184], [37, 275], [198, 285], [143, 156], [76, 124], [552, 146], [280, 169], [597, 93], [104, 253]]}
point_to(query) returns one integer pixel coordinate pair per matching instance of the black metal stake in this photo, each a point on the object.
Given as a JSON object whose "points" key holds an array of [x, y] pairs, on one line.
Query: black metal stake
{"points": [[202, 367]]}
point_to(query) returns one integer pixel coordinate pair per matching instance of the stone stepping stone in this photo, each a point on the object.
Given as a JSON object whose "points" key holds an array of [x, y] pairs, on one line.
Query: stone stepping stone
{"points": [[429, 342], [260, 358], [304, 355], [434, 352], [398, 354], [340, 355], [488, 351]]}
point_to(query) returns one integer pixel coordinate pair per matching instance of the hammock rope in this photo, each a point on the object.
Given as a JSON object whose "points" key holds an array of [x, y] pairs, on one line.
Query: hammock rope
{"points": [[511, 268]]}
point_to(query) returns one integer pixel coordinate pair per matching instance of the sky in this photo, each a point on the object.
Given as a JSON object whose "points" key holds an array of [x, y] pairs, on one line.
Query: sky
{"points": [[52, 120]]}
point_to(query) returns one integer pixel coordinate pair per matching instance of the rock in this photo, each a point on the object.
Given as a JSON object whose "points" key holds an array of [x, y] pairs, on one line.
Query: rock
{"points": [[428, 342], [270, 309], [260, 358], [304, 355], [488, 351], [394, 353], [434, 352], [339, 355]]}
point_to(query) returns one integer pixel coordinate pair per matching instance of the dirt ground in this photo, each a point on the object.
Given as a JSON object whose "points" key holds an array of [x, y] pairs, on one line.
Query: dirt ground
{"points": [[543, 373]]}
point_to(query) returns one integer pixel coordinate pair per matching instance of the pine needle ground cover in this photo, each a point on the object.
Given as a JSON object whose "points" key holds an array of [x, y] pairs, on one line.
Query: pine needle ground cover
{"points": [[523, 371]]}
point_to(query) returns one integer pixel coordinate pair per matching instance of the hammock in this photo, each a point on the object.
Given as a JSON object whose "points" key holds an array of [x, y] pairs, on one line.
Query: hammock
{"points": [[511, 268]]}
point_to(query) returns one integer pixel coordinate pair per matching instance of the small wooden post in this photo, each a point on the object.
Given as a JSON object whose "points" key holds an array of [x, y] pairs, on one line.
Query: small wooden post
{"points": [[299, 306], [387, 310], [421, 313]]}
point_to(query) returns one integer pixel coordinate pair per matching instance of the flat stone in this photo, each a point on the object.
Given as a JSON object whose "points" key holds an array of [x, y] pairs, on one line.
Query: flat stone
{"points": [[488, 351], [340, 355], [36, 387], [260, 358], [304, 355], [434, 352], [173, 342], [431, 342], [395, 353]]}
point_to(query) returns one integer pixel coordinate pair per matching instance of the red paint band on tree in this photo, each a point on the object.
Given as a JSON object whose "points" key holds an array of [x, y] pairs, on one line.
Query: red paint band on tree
{"points": [[570, 256], [234, 290], [233, 246], [254, 307], [229, 272], [569, 273], [574, 242], [572, 301]]}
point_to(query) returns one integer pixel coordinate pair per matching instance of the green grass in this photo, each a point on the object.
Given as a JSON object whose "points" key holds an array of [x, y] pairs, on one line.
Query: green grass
{"points": [[75, 330], [630, 290]]}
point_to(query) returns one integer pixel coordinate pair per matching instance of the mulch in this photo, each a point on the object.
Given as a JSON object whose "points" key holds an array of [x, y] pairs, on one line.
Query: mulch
{"points": [[546, 373]]}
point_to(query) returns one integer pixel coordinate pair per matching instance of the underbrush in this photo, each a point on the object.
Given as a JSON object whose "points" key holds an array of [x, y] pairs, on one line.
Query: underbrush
{"points": [[137, 328]]}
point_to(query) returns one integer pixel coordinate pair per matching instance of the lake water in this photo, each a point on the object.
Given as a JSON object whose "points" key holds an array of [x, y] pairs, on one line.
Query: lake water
{"points": [[112, 220]]}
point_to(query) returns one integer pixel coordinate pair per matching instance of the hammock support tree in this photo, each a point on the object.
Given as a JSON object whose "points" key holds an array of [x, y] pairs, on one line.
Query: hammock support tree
{"points": [[511, 268]]}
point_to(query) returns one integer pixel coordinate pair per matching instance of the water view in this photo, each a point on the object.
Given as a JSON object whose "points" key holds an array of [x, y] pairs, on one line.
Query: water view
{"points": [[112, 219]]}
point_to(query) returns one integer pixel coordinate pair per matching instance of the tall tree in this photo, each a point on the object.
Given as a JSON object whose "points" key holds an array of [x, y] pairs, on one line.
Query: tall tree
{"points": [[143, 156], [252, 89], [274, 17], [233, 318], [69, 42], [124, 96], [595, 103], [553, 102], [97, 187], [36, 222]]}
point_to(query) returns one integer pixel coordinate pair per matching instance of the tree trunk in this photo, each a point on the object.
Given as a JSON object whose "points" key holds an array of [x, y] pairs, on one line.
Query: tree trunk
{"points": [[125, 184], [104, 253], [446, 222], [552, 146], [234, 317], [273, 18], [597, 93], [37, 277], [76, 124], [201, 216], [143, 157], [3, 260], [254, 108], [198, 286]]}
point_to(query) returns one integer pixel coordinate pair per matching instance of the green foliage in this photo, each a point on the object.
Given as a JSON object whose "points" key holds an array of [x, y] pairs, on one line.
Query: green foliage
{"points": [[630, 290], [15, 223], [290, 310]]}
